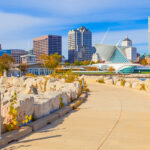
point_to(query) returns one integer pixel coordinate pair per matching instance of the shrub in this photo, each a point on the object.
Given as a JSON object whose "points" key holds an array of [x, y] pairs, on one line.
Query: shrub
{"points": [[70, 77], [30, 75], [61, 105], [13, 123], [92, 69], [55, 75], [122, 82]]}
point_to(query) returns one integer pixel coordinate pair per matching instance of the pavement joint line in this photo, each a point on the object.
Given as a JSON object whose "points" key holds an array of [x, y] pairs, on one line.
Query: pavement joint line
{"points": [[112, 129]]}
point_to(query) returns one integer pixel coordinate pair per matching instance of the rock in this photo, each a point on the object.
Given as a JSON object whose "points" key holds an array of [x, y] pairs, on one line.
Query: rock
{"points": [[138, 85], [147, 85], [109, 82], [25, 106], [128, 85], [120, 82], [30, 89], [36, 96], [3, 80], [100, 79], [42, 108], [47, 103]]}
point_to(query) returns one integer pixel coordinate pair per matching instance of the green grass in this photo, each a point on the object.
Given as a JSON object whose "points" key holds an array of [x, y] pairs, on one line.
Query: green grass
{"points": [[144, 72], [94, 73]]}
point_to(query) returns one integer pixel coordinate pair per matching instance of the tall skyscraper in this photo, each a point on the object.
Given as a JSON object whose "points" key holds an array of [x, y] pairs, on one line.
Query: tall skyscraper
{"points": [[149, 33], [80, 44], [48, 44]]}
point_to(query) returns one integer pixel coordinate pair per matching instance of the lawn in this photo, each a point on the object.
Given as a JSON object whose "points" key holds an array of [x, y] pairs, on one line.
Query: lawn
{"points": [[94, 73]]}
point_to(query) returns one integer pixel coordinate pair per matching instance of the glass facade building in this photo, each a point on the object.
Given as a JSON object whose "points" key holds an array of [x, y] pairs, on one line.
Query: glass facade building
{"points": [[48, 44], [80, 44]]}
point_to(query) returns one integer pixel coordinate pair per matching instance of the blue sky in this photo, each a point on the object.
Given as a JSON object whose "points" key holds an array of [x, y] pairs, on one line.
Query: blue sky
{"points": [[22, 20]]}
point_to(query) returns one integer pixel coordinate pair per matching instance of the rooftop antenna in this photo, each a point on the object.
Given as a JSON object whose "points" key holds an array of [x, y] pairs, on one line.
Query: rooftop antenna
{"points": [[102, 41]]}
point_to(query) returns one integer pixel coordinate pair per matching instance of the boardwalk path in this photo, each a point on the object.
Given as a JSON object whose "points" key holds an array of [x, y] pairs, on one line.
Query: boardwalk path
{"points": [[112, 119]]}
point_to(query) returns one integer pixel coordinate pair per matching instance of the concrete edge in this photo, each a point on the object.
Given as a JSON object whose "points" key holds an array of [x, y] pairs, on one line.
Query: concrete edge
{"points": [[36, 125], [14, 135]]}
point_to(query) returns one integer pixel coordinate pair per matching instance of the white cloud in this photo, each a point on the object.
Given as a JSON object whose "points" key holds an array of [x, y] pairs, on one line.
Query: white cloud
{"points": [[14, 22], [17, 29]]}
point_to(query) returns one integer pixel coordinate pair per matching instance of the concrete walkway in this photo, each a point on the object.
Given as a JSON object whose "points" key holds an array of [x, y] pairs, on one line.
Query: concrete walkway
{"points": [[113, 118]]}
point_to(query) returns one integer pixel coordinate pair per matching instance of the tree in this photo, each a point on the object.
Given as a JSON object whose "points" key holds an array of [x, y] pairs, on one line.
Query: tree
{"points": [[111, 69], [98, 61], [6, 62], [51, 61], [143, 62], [23, 67], [86, 62], [67, 64], [77, 63]]}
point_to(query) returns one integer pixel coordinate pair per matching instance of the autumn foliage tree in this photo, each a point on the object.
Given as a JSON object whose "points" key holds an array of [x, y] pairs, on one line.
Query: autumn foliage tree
{"points": [[143, 62], [6, 62], [111, 69], [51, 61]]}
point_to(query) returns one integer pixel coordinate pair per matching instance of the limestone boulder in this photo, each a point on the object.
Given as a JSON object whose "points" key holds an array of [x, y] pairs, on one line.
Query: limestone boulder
{"points": [[138, 85], [30, 89], [128, 84], [120, 82], [100, 79], [3, 80], [147, 85], [42, 108], [109, 82], [30, 81], [24, 106], [46, 103]]}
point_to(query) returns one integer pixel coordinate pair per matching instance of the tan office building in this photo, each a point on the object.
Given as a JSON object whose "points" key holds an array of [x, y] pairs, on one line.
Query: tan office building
{"points": [[48, 44]]}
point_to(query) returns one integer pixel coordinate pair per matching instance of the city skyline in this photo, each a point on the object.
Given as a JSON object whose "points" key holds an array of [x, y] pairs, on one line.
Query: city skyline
{"points": [[22, 21]]}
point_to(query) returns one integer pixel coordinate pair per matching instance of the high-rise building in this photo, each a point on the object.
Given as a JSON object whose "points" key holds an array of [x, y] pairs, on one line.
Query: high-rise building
{"points": [[48, 44], [80, 44], [149, 33]]}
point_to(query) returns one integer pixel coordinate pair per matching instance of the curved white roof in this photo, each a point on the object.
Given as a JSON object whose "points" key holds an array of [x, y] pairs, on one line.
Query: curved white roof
{"points": [[105, 51]]}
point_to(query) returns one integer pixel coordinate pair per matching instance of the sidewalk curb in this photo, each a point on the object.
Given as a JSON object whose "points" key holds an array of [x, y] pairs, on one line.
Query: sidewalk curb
{"points": [[33, 126]]}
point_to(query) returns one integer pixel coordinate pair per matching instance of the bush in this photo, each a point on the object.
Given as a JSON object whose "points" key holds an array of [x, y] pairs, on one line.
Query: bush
{"points": [[61, 105], [13, 123], [30, 75], [122, 82], [70, 77], [92, 69]]}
